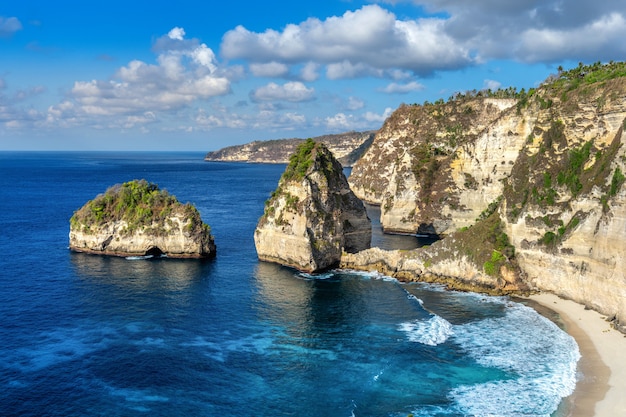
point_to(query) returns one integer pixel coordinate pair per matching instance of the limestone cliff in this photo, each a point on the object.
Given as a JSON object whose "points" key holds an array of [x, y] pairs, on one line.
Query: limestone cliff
{"points": [[535, 177], [313, 215], [137, 219], [346, 147]]}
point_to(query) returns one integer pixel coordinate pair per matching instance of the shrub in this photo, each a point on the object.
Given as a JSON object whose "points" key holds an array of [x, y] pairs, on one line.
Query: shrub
{"points": [[616, 182]]}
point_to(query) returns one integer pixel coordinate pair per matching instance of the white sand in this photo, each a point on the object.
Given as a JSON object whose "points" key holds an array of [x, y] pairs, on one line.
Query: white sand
{"points": [[601, 389]]}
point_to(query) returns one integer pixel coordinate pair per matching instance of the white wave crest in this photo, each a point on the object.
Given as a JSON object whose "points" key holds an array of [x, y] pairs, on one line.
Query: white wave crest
{"points": [[431, 332], [543, 359]]}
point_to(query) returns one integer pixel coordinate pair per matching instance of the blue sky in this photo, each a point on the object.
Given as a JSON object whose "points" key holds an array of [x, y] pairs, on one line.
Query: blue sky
{"points": [[197, 75]]}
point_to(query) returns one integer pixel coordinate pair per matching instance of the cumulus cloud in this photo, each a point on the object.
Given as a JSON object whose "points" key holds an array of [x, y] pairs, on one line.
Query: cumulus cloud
{"points": [[279, 121], [534, 30], [395, 88], [491, 84], [294, 92], [378, 118], [589, 41], [270, 69], [310, 72], [361, 42], [354, 103], [342, 122], [220, 117], [185, 71], [373, 42], [9, 25]]}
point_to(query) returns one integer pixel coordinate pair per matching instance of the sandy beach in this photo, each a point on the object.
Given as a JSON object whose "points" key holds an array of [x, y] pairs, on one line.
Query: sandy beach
{"points": [[602, 370]]}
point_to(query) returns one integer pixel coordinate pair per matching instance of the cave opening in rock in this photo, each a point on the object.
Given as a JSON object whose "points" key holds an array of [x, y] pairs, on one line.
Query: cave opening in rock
{"points": [[154, 252]]}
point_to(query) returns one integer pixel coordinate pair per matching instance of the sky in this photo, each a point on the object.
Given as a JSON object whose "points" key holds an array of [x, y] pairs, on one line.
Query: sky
{"points": [[200, 75]]}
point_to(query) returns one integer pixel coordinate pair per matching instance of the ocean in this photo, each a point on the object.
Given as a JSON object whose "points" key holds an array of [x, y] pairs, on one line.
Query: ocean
{"points": [[84, 335]]}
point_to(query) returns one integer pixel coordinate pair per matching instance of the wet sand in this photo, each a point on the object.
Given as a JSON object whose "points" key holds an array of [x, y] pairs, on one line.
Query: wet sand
{"points": [[601, 387]]}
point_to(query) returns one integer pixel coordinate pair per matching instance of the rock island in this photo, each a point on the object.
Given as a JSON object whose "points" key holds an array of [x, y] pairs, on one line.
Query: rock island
{"points": [[138, 219], [313, 216]]}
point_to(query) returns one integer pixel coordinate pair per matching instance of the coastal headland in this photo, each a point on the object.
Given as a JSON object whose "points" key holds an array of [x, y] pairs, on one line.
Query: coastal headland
{"points": [[524, 191]]}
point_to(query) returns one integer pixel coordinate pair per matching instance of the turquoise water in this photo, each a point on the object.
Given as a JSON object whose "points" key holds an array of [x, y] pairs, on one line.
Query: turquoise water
{"points": [[88, 335]]}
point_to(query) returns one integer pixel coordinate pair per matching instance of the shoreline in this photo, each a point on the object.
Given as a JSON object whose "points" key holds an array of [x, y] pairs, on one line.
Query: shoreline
{"points": [[601, 371]]}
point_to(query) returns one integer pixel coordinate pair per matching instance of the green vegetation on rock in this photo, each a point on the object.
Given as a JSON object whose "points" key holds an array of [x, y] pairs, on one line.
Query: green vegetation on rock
{"points": [[300, 161], [142, 205]]}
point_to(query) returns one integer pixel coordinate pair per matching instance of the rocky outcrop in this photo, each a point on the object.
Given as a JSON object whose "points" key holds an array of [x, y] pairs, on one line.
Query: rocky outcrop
{"points": [[346, 147], [427, 162], [313, 216], [525, 186], [138, 219], [478, 259]]}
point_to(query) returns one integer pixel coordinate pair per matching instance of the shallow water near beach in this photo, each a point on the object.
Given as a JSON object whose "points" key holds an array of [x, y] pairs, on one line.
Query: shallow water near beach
{"points": [[89, 335]]}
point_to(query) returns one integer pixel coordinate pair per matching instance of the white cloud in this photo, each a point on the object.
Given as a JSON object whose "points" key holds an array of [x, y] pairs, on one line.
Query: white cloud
{"points": [[342, 122], [359, 42], [588, 41], [534, 30], [310, 72], [354, 103], [279, 121], [395, 88], [9, 25], [378, 118], [491, 84], [453, 34], [220, 118], [177, 34], [346, 69], [270, 69], [184, 73], [294, 92]]}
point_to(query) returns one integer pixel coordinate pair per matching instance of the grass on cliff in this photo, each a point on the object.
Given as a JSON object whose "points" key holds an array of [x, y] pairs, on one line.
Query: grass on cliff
{"points": [[142, 205], [485, 244], [300, 161], [549, 178]]}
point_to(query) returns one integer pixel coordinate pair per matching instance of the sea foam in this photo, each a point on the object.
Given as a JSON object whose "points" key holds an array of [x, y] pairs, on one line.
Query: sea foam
{"points": [[543, 362], [434, 331]]}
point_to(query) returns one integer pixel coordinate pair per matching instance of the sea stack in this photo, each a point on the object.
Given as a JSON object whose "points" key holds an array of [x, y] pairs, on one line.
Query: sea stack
{"points": [[138, 219], [313, 215]]}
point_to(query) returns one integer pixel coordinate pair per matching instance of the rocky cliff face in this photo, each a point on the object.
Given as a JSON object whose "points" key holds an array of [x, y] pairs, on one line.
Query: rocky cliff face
{"points": [[313, 215], [346, 147], [427, 162], [138, 219], [536, 177]]}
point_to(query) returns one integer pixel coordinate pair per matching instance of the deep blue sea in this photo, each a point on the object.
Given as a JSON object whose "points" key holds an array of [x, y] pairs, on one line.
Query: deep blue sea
{"points": [[83, 335]]}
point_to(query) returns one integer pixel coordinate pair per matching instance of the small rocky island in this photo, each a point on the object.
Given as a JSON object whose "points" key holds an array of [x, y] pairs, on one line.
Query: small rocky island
{"points": [[313, 216], [138, 219]]}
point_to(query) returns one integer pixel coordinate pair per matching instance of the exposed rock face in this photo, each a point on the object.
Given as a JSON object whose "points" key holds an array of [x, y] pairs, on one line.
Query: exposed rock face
{"points": [[346, 147], [479, 259], [313, 215], [427, 162], [536, 178], [138, 219]]}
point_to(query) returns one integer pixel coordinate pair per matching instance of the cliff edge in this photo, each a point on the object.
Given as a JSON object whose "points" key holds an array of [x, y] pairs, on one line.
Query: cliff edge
{"points": [[138, 219], [525, 187], [313, 215]]}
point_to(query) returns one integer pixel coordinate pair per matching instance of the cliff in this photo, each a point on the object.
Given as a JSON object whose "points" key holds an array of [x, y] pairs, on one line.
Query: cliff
{"points": [[313, 215], [534, 177], [138, 219], [346, 147]]}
